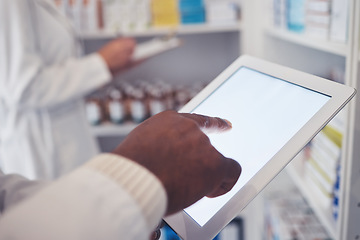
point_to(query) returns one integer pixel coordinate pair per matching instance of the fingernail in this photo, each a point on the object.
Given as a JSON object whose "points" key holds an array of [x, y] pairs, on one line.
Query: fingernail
{"points": [[228, 123]]}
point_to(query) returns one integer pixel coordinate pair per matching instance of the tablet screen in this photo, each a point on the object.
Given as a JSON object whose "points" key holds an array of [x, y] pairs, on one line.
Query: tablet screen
{"points": [[266, 113]]}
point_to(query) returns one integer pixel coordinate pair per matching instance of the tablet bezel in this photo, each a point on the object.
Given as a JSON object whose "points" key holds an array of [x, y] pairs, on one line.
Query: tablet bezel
{"points": [[340, 95]]}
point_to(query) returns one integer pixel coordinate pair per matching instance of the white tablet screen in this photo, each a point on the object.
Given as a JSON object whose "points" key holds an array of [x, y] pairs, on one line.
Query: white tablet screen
{"points": [[266, 113]]}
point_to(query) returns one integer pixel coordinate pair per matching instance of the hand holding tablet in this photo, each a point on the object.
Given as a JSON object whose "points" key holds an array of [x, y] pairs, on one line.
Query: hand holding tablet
{"points": [[275, 111]]}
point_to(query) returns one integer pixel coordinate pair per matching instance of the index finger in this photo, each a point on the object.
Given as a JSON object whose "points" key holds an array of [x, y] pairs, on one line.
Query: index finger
{"points": [[209, 124]]}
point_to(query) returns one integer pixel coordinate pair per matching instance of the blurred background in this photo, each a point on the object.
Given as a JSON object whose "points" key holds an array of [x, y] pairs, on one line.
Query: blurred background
{"points": [[313, 198]]}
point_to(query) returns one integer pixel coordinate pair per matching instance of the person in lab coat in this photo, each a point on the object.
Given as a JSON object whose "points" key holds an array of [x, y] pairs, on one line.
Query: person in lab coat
{"points": [[173, 164], [43, 79]]}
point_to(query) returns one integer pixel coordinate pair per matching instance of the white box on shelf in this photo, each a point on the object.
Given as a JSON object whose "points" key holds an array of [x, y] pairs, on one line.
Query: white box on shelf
{"points": [[112, 15], [221, 11], [325, 152], [317, 15], [90, 16], [318, 6], [317, 31], [319, 186], [320, 19], [74, 8], [280, 19], [339, 21], [124, 15]]}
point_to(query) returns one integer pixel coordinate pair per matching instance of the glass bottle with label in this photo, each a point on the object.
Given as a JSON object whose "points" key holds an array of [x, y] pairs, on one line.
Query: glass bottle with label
{"points": [[115, 106], [168, 95], [138, 110], [156, 101], [93, 109]]}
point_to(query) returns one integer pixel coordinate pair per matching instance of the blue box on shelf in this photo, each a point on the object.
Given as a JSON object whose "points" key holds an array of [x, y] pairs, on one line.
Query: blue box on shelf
{"points": [[191, 4], [190, 17], [192, 11], [295, 15]]}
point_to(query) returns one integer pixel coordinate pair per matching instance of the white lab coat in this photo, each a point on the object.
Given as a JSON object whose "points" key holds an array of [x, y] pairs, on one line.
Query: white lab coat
{"points": [[43, 128], [85, 205]]}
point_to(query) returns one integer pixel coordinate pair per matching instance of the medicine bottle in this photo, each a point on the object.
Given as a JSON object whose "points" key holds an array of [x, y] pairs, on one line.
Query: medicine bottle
{"points": [[115, 106], [156, 100], [137, 105], [94, 110], [168, 95]]}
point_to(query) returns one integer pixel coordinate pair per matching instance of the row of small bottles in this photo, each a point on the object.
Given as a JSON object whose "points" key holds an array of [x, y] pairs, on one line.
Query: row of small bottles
{"points": [[119, 103]]}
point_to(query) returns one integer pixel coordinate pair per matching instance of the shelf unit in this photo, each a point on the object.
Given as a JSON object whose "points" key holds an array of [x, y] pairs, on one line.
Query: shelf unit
{"points": [[351, 172], [340, 49], [316, 56], [179, 30], [207, 50], [310, 192], [304, 185]]}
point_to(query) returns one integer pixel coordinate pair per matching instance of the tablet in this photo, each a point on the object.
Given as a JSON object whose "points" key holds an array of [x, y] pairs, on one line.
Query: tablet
{"points": [[275, 112]]}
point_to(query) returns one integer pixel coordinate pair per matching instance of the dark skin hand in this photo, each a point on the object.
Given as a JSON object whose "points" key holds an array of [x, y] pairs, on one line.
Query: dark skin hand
{"points": [[174, 148]]}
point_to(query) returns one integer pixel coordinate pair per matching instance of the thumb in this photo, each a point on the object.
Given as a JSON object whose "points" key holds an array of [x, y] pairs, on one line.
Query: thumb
{"points": [[231, 173]]}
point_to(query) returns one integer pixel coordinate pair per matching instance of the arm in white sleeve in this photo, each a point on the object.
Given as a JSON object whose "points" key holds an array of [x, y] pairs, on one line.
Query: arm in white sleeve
{"points": [[15, 188], [110, 198], [26, 79]]}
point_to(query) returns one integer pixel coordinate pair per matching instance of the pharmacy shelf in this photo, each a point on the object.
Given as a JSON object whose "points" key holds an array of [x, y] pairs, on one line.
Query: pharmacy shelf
{"points": [[112, 130], [179, 30], [310, 192], [308, 41]]}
